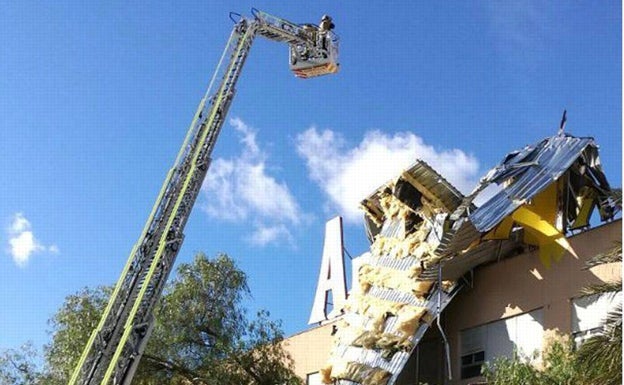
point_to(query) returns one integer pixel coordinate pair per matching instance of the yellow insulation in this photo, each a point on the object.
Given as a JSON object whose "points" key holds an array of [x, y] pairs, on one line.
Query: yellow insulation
{"points": [[431, 200], [340, 369], [347, 334], [372, 212], [377, 376], [391, 342], [364, 374], [408, 319], [367, 340], [394, 208], [431, 260], [388, 343], [411, 242], [421, 288], [374, 308], [389, 278], [447, 285], [379, 320], [421, 250], [414, 271], [326, 374]]}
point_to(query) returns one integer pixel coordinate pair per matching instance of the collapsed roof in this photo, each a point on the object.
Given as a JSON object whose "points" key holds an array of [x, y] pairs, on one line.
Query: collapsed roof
{"points": [[425, 235], [528, 172]]}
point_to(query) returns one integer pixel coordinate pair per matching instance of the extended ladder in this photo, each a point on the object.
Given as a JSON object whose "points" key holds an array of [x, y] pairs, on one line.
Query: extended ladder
{"points": [[115, 347]]}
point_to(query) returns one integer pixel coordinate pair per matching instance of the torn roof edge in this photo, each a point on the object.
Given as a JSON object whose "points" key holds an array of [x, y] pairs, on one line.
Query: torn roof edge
{"points": [[548, 160], [430, 183]]}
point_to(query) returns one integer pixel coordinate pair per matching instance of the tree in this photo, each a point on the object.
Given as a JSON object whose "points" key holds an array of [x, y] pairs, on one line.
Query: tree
{"points": [[71, 327], [202, 334], [600, 357], [557, 367], [17, 366]]}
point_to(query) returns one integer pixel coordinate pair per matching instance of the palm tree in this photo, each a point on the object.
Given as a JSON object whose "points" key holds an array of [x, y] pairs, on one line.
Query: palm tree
{"points": [[600, 357]]}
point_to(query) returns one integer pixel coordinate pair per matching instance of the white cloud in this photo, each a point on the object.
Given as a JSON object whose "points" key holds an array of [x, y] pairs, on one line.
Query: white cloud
{"points": [[22, 241], [240, 188], [264, 235], [348, 175], [53, 249], [19, 224], [23, 245]]}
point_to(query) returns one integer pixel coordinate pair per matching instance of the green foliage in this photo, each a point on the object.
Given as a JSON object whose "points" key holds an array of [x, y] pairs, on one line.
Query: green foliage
{"points": [[612, 255], [505, 371], [214, 341], [599, 359], [17, 366], [558, 363], [202, 335], [72, 326], [601, 288], [557, 368]]}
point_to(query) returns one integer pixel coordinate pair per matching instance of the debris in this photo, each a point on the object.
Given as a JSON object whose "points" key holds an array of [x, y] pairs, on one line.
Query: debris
{"points": [[425, 235], [408, 319]]}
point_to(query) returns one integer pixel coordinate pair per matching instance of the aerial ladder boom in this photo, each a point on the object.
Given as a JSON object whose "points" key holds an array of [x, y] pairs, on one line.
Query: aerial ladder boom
{"points": [[115, 347]]}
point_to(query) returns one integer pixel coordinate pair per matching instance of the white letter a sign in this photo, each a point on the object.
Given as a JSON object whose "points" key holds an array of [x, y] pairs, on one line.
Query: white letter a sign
{"points": [[331, 280]]}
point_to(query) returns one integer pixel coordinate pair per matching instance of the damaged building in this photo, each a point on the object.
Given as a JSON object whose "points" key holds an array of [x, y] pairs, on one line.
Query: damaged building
{"points": [[448, 284]]}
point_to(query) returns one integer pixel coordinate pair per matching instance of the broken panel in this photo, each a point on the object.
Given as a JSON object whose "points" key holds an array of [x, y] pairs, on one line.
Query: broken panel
{"points": [[425, 235], [385, 319]]}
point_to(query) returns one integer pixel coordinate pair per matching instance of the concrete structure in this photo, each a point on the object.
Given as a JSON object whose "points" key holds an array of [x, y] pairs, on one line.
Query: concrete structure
{"points": [[508, 304]]}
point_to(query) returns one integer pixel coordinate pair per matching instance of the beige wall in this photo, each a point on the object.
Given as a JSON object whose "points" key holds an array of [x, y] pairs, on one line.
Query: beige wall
{"points": [[512, 286], [521, 284], [310, 349]]}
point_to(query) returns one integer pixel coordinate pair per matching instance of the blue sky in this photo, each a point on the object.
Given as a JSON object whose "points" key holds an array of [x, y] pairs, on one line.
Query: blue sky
{"points": [[95, 99]]}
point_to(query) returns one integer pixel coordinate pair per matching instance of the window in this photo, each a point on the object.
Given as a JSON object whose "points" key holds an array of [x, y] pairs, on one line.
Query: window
{"points": [[313, 379], [473, 351], [471, 364], [589, 313], [521, 334]]}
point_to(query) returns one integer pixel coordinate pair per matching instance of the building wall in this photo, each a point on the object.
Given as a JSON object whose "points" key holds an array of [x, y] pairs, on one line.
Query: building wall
{"points": [[522, 284], [310, 349], [500, 290]]}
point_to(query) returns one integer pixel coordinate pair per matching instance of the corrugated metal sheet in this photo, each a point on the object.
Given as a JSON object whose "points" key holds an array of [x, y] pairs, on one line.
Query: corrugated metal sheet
{"points": [[435, 183], [397, 362], [458, 238], [456, 266], [437, 188], [534, 169]]}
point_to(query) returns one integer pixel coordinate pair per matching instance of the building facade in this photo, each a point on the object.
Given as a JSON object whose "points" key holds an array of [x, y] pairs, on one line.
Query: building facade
{"points": [[506, 307]]}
